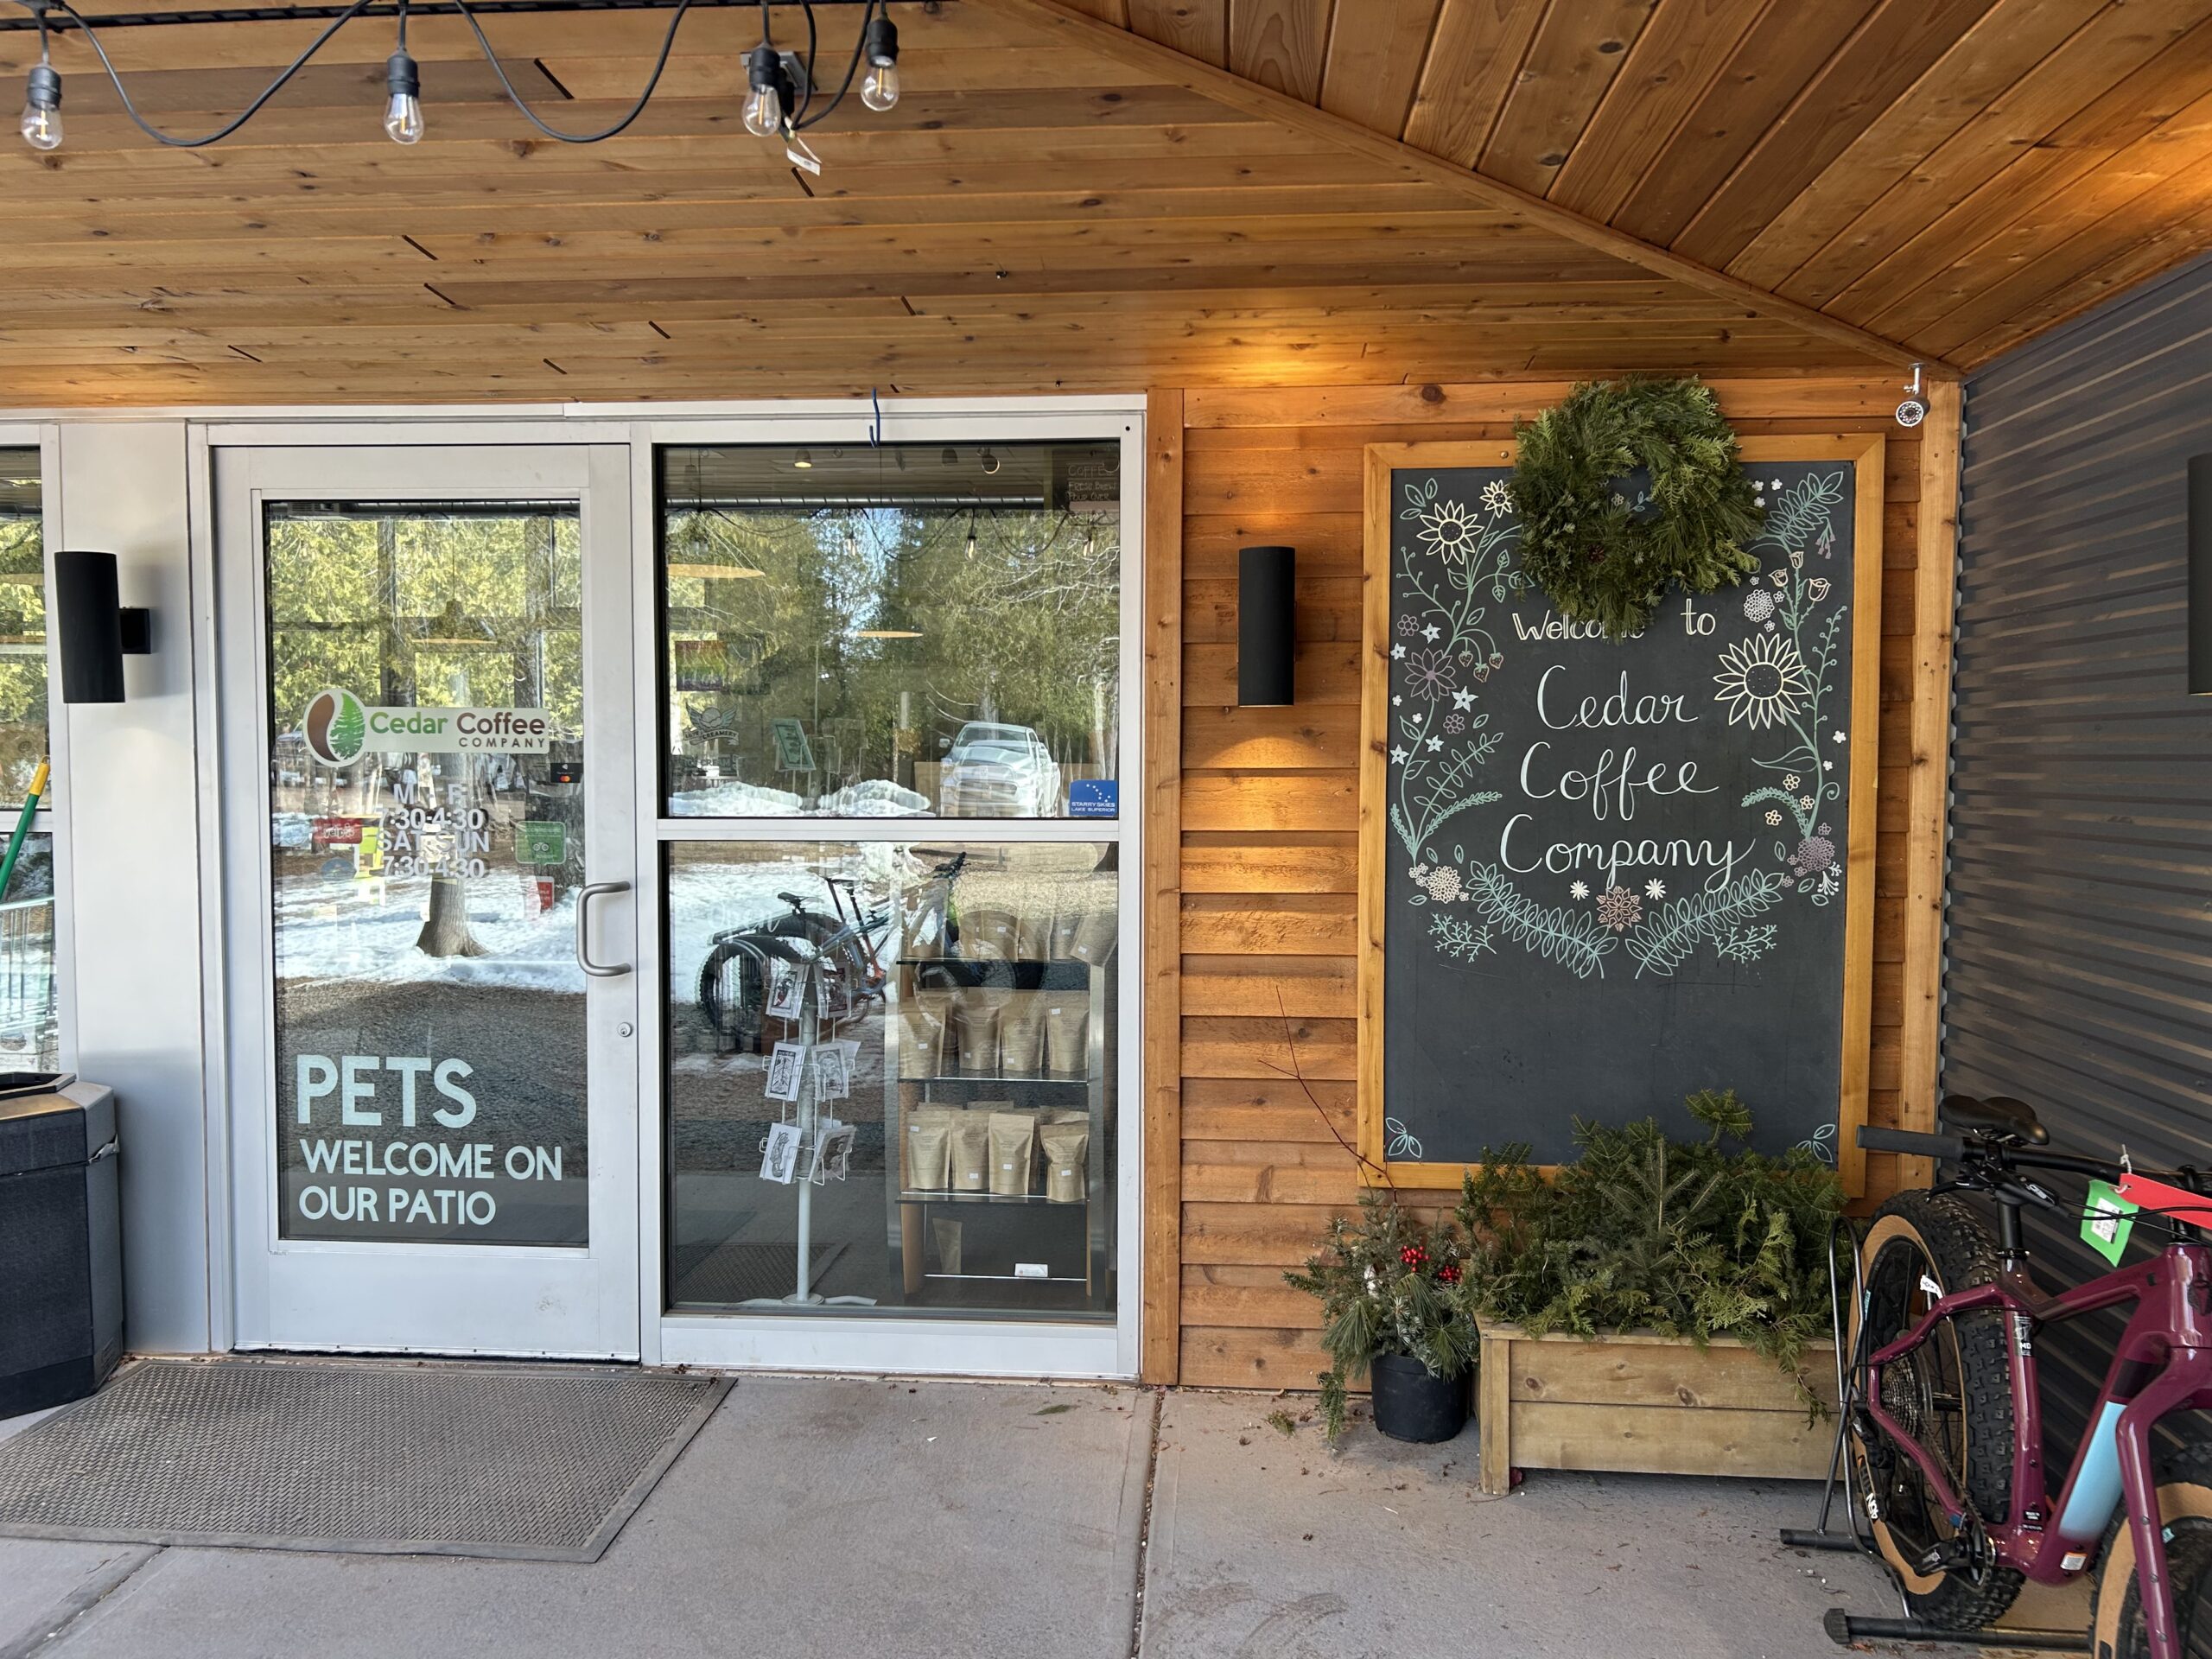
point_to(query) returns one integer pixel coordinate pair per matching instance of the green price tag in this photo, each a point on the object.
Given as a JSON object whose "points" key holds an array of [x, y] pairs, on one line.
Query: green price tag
{"points": [[2107, 1222], [541, 843]]}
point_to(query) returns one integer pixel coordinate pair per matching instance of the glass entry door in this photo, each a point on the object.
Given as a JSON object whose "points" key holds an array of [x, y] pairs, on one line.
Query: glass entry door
{"points": [[429, 793]]}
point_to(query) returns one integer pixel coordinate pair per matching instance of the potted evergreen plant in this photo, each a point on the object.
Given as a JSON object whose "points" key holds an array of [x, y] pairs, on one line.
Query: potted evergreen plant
{"points": [[1393, 1293]]}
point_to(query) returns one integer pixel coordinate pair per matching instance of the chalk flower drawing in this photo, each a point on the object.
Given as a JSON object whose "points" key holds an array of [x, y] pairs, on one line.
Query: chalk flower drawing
{"points": [[1763, 681], [1444, 754], [1619, 909], [1399, 1142]]}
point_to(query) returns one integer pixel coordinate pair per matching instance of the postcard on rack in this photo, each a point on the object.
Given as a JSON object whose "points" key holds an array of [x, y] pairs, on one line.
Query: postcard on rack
{"points": [[786, 1065], [786, 990], [779, 1154]]}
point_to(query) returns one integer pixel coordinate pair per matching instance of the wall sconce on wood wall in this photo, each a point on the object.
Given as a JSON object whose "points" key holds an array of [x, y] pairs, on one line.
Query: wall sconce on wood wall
{"points": [[97, 632], [1266, 630], [2200, 575]]}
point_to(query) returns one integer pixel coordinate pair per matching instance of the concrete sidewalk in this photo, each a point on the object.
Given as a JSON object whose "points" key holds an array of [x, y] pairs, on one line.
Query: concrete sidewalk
{"points": [[897, 1520]]}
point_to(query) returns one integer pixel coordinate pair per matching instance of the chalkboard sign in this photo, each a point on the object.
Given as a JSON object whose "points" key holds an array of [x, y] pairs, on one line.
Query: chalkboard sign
{"points": [[1599, 875]]}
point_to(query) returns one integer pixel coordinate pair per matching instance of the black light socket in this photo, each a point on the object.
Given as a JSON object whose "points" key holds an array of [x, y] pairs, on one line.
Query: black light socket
{"points": [[881, 42], [401, 77], [763, 65], [97, 632], [2200, 575], [1266, 626], [42, 88]]}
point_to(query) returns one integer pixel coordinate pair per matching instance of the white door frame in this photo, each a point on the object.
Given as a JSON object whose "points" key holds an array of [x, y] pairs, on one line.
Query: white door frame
{"points": [[410, 1296]]}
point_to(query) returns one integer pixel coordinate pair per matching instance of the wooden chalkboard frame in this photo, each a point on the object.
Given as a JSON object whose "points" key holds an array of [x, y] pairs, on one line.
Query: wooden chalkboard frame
{"points": [[1865, 452]]}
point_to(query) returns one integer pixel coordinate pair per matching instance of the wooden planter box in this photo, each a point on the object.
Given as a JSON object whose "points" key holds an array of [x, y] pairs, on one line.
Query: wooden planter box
{"points": [[1646, 1405]]}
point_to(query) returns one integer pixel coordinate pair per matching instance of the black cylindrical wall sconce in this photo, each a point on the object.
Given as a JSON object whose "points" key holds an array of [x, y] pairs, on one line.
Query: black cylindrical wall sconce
{"points": [[2200, 575], [97, 632], [1266, 616]]}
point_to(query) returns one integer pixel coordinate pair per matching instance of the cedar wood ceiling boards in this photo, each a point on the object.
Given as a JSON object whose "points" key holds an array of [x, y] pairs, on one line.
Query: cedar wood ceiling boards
{"points": [[1057, 204]]}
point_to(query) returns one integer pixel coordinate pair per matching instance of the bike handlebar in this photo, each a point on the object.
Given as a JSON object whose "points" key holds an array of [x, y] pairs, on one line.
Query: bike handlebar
{"points": [[1954, 1147]]}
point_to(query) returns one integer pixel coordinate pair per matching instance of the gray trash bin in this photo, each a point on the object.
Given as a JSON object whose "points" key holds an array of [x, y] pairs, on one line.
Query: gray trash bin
{"points": [[60, 1241]]}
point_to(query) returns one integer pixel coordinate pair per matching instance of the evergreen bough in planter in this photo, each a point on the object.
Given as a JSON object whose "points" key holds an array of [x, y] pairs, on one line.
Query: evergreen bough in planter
{"points": [[1689, 1239], [1602, 557]]}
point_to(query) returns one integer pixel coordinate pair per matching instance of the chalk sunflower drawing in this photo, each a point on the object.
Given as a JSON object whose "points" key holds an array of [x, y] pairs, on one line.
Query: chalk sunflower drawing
{"points": [[1449, 529], [1763, 681]]}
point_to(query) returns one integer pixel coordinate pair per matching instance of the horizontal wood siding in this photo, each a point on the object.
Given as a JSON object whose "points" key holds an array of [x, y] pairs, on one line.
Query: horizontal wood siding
{"points": [[1269, 805]]}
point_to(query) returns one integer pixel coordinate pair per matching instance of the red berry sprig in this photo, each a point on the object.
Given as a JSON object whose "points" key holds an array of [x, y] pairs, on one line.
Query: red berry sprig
{"points": [[1413, 1256], [1449, 1275]]}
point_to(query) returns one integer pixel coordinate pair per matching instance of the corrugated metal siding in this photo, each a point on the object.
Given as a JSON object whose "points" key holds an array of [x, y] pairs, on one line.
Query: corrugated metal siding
{"points": [[2079, 967]]}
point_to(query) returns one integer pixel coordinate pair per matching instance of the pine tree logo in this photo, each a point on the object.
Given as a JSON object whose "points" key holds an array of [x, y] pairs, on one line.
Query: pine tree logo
{"points": [[336, 727]]}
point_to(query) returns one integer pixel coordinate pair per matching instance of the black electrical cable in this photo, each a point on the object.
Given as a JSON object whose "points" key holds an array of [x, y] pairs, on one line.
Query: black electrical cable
{"points": [[860, 44], [653, 82], [804, 116], [236, 121]]}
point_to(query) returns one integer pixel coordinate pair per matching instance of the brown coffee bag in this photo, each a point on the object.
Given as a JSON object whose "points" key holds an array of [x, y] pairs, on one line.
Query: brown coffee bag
{"points": [[1022, 1035], [974, 1040], [1013, 1153], [929, 1149], [1067, 1021], [971, 1151], [948, 1243], [1067, 1146]]}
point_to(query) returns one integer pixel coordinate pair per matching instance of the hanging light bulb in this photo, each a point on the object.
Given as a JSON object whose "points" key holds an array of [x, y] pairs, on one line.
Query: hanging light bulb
{"points": [[879, 87], [764, 105], [803, 461], [971, 535], [403, 109], [42, 124], [42, 108]]}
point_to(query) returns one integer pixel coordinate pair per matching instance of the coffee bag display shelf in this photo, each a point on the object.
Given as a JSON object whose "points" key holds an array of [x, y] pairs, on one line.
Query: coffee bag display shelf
{"points": [[1502, 993], [908, 1086]]}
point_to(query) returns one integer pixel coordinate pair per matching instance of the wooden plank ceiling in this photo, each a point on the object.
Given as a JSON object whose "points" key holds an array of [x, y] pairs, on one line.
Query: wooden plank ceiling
{"points": [[1952, 174], [1057, 204]]}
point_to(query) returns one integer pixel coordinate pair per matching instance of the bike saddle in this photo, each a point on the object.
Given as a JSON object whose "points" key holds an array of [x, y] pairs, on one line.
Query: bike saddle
{"points": [[797, 901], [2000, 1115]]}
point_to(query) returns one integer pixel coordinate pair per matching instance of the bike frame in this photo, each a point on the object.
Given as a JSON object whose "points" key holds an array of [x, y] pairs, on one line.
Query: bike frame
{"points": [[2162, 1364]]}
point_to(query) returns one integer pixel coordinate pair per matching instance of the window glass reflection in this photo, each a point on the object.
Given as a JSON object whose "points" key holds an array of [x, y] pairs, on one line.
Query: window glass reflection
{"points": [[427, 841], [905, 631], [22, 624]]}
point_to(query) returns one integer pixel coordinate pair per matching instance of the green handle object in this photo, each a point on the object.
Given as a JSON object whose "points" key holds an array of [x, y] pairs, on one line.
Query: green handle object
{"points": [[23, 828]]}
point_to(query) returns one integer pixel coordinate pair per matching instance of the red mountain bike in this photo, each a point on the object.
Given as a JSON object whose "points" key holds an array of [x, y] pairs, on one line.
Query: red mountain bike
{"points": [[1942, 1424]]}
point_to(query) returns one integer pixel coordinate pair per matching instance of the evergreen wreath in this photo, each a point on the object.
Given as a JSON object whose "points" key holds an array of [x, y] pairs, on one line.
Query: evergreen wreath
{"points": [[1604, 558]]}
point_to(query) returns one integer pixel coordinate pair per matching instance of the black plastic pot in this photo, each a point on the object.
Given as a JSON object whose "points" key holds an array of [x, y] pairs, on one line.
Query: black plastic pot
{"points": [[1412, 1405]]}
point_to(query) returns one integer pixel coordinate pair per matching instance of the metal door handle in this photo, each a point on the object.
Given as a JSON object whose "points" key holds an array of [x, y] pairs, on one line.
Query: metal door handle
{"points": [[585, 895]]}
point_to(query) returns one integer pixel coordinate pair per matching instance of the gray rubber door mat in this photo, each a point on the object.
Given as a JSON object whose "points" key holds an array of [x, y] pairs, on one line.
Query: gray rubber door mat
{"points": [[537, 1462]]}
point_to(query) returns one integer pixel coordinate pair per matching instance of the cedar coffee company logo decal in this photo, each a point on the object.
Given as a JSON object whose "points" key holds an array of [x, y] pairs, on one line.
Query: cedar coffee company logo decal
{"points": [[338, 727]]}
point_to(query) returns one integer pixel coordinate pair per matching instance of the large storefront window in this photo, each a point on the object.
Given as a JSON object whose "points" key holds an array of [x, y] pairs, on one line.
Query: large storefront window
{"points": [[894, 1055], [426, 841], [29, 1028], [906, 631], [891, 1077]]}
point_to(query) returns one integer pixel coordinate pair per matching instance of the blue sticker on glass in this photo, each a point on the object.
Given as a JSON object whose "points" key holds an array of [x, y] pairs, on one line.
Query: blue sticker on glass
{"points": [[1094, 797]]}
